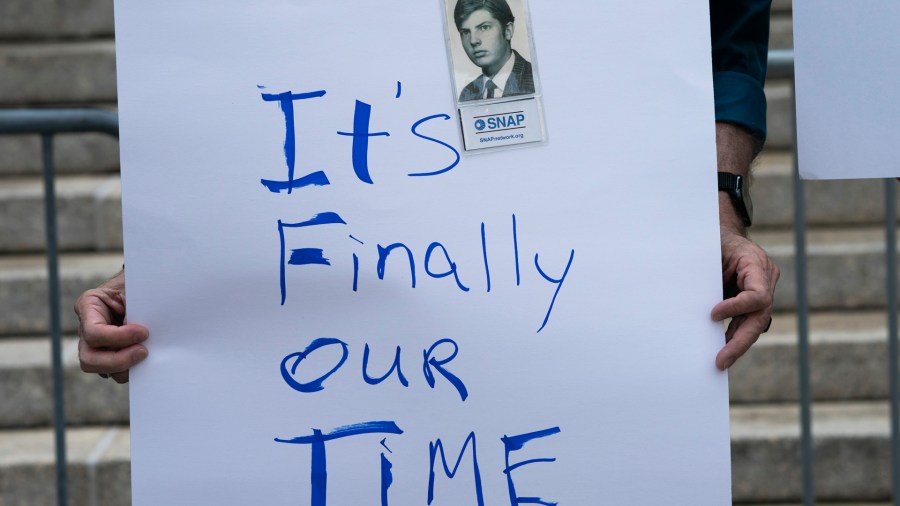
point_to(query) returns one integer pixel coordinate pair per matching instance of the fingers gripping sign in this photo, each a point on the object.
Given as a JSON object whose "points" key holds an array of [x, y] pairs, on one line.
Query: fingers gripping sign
{"points": [[107, 345], [749, 277]]}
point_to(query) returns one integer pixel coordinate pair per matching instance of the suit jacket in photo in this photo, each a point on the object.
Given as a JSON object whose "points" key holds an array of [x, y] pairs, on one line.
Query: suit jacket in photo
{"points": [[520, 82]]}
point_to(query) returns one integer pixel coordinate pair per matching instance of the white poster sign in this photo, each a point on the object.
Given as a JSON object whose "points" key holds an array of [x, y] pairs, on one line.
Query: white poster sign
{"points": [[847, 64], [347, 308]]}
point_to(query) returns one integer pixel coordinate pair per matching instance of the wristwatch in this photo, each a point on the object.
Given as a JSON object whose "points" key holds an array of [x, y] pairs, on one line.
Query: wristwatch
{"points": [[736, 188]]}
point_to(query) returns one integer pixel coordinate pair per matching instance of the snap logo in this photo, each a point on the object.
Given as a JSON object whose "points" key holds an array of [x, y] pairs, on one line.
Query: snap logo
{"points": [[500, 122]]}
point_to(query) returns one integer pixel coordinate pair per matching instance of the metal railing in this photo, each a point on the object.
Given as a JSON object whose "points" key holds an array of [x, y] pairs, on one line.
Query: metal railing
{"points": [[47, 123], [781, 66]]}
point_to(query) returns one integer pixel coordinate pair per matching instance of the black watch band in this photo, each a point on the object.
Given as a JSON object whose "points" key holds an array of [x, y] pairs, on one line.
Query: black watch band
{"points": [[735, 186]]}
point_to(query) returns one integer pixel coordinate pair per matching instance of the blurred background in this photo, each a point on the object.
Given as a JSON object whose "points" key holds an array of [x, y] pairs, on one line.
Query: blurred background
{"points": [[61, 54]]}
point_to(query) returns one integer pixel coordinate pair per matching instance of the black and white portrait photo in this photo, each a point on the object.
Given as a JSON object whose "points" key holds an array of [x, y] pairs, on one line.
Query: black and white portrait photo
{"points": [[495, 58]]}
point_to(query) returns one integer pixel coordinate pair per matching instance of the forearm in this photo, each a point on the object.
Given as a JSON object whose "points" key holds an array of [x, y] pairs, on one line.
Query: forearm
{"points": [[735, 149]]}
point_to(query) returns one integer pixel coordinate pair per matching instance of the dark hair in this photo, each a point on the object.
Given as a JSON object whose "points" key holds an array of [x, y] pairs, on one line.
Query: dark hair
{"points": [[498, 8]]}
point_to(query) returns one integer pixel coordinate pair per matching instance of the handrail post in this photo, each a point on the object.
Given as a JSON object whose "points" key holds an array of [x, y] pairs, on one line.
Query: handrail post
{"points": [[59, 414], [890, 228]]}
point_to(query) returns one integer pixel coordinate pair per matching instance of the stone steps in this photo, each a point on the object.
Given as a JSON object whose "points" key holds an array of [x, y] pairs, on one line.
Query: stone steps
{"points": [[90, 209], [26, 389], [58, 72], [846, 267], [851, 446], [86, 153], [23, 289], [846, 272], [851, 442], [848, 363], [99, 467], [89, 213], [54, 19], [848, 360], [828, 203]]}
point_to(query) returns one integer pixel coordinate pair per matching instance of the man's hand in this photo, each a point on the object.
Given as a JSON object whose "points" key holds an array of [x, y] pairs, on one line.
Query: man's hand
{"points": [[108, 346], [748, 275], [748, 278]]}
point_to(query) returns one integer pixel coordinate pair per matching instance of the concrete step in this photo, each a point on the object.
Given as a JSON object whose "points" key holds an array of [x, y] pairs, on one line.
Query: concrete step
{"points": [[57, 73], [846, 272], [780, 114], [781, 28], [781, 6], [23, 289], [26, 390], [89, 213], [846, 267], [828, 203], [851, 446], [72, 153], [40, 19], [99, 467], [848, 360]]}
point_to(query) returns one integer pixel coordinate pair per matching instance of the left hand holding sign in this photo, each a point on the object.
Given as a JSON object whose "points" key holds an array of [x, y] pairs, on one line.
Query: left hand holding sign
{"points": [[107, 345]]}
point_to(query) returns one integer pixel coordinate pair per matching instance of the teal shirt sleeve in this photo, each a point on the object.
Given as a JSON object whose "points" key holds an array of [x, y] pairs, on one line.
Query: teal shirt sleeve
{"points": [[740, 46]]}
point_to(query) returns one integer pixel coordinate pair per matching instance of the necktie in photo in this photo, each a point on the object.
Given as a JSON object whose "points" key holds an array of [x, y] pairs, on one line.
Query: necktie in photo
{"points": [[490, 87]]}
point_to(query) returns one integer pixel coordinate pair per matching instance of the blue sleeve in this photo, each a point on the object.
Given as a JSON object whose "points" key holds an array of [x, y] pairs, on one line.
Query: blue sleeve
{"points": [[740, 45]]}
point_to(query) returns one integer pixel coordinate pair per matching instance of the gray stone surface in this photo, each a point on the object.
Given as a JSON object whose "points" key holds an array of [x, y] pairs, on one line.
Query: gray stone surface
{"points": [[58, 73], [848, 360], [30, 19], [26, 391], [851, 453], [781, 31], [780, 114], [846, 267], [23, 289], [73, 153], [98, 472], [828, 203], [781, 6], [89, 214]]}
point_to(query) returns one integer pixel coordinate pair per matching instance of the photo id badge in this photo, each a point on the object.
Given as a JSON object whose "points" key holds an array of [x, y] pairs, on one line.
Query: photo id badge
{"points": [[494, 72]]}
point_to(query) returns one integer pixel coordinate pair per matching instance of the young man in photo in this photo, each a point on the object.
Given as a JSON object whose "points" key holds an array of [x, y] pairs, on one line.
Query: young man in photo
{"points": [[486, 30]]}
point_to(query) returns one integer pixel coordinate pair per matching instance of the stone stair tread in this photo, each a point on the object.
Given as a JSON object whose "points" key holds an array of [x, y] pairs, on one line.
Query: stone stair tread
{"points": [[65, 185], [848, 360], [26, 389], [18, 266], [828, 327], [31, 352], [88, 210], [58, 72], [83, 444], [824, 241], [829, 420]]}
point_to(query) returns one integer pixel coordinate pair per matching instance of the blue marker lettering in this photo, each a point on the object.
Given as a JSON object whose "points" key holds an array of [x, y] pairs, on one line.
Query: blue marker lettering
{"points": [[383, 253], [433, 246], [430, 362], [361, 134], [487, 268], [442, 143], [315, 385], [515, 443], [387, 477], [438, 446], [395, 366], [319, 471], [304, 256], [558, 282], [286, 100]]}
